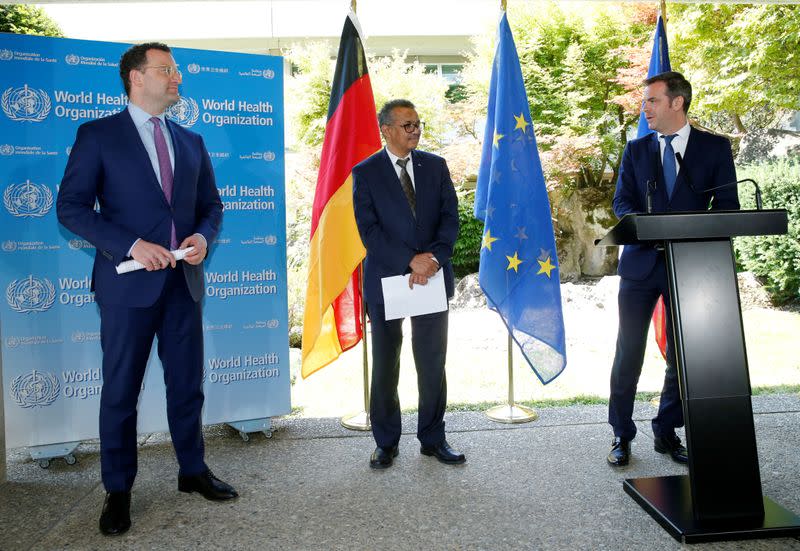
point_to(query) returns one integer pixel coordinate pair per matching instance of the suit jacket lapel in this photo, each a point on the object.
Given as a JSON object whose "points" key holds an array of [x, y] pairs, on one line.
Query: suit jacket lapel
{"points": [[691, 152], [654, 147], [178, 150], [419, 181]]}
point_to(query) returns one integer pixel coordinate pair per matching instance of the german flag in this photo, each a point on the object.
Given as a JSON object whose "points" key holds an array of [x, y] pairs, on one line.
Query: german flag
{"points": [[332, 322]]}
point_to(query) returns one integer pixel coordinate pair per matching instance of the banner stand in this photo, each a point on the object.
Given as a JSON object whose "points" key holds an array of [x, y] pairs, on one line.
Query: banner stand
{"points": [[44, 454], [248, 427]]}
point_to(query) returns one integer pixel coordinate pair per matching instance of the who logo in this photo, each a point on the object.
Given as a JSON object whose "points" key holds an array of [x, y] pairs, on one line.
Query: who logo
{"points": [[26, 104], [30, 294], [193, 68], [35, 389], [28, 199], [6, 55], [185, 112], [6, 149], [72, 59]]}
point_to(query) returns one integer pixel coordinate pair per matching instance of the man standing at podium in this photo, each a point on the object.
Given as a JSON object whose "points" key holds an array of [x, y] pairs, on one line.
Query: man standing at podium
{"points": [[666, 171]]}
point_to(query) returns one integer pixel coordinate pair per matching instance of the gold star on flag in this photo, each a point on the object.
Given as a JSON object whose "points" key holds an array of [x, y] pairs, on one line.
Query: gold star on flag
{"points": [[522, 124], [488, 240], [513, 262], [497, 137], [545, 267]]}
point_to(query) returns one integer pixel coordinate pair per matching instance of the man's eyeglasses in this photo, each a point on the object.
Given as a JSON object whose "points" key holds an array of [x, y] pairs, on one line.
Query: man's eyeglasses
{"points": [[412, 126], [168, 70]]}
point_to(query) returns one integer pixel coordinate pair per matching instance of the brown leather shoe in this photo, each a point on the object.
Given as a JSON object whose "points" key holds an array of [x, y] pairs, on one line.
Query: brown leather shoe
{"points": [[620, 452], [116, 517]]}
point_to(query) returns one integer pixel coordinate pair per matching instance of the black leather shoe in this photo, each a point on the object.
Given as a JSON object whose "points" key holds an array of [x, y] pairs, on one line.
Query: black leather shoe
{"points": [[116, 517], [620, 452], [382, 458], [672, 445], [444, 453], [207, 485]]}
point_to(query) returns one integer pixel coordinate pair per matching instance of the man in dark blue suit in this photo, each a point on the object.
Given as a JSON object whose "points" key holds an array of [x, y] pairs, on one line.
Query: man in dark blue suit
{"points": [[407, 215], [670, 169], [156, 190]]}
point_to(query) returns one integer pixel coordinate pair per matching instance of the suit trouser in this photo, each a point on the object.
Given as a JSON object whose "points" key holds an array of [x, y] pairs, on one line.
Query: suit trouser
{"points": [[637, 299], [127, 338], [429, 345]]}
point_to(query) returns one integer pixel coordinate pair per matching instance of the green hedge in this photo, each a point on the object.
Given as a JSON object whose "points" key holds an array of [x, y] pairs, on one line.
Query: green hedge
{"points": [[467, 251], [775, 259]]}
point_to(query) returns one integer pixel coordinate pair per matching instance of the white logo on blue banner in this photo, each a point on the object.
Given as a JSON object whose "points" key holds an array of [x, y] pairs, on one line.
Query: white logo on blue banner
{"points": [[28, 199], [31, 294], [184, 112], [26, 104], [51, 354], [35, 389]]}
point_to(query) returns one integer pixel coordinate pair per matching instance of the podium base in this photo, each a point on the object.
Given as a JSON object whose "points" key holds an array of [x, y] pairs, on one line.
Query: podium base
{"points": [[668, 500]]}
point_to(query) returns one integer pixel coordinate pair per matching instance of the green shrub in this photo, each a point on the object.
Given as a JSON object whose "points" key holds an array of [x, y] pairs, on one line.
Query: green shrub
{"points": [[774, 258], [467, 251]]}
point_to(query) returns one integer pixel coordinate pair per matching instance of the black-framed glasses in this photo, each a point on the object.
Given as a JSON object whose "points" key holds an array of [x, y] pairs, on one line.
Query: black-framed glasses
{"points": [[412, 126], [168, 70]]}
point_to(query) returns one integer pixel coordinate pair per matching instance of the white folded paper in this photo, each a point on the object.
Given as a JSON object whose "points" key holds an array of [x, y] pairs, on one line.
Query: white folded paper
{"points": [[133, 265], [399, 301]]}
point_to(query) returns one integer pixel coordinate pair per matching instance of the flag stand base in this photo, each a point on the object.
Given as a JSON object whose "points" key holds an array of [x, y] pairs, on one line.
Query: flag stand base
{"points": [[357, 421], [512, 413]]}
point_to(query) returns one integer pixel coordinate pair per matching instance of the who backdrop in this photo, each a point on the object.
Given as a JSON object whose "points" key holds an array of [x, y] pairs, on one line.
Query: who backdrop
{"points": [[49, 323]]}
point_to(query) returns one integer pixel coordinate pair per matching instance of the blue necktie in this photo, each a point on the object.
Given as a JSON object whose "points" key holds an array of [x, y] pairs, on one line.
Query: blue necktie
{"points": [[670, 170]]}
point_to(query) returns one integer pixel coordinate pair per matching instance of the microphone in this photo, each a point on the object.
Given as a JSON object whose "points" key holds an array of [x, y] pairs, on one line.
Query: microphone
{"points": [[759, 206], [651, 189]]}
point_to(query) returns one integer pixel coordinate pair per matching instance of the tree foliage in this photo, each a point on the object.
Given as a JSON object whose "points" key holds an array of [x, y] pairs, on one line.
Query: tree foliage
{"points": [[743, 61], [573, 59], [26, 19]]}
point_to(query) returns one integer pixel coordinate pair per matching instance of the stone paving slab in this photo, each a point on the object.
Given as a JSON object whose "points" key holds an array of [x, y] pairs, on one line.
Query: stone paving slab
{"points": [[541, 485]]}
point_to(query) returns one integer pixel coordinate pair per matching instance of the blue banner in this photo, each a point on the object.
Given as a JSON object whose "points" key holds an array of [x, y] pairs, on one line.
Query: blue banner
{"points": [[519, 265], [49, 322]]}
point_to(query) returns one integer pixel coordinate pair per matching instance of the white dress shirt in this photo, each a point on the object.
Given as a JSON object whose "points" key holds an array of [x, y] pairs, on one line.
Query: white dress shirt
{"points": [[409, 166]]}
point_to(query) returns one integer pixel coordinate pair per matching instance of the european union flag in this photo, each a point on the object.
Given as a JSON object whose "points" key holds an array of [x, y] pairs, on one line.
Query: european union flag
{"points": [[659, 62], [519, 268]]}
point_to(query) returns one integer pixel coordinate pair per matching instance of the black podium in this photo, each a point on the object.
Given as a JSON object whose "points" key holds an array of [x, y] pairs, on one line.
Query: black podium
{"points": [[721, 497]]}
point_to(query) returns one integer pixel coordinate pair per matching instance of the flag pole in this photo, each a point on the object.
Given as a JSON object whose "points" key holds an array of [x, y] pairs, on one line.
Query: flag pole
{"points": [[360, 420], [511, 412], [663, 14]]}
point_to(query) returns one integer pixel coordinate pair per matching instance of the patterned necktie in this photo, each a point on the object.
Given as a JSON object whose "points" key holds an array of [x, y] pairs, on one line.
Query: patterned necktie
{"points": [[408, 187], [165, 168], [670, 170]]}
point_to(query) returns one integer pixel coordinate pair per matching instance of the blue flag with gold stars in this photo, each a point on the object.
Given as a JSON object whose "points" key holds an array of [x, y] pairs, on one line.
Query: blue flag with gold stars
{"points": [[519, 268], [659, 62]]}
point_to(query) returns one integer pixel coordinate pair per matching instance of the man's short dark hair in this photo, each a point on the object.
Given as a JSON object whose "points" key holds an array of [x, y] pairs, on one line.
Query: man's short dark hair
{"points": [[385, 114], [677, 85], [136, 58]]}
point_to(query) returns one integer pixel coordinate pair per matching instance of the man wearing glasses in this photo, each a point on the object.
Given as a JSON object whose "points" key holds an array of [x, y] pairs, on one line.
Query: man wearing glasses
{"points": [[156, 190], [407, 215]]}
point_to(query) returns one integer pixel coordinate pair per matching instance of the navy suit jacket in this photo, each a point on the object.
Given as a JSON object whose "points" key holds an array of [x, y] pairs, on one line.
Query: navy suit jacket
{"points": [[708, 163], [110, 165], [389, 231]]}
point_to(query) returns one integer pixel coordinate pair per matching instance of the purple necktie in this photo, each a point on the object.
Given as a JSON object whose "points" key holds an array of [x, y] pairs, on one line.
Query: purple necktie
{"points": [[165, 168]]}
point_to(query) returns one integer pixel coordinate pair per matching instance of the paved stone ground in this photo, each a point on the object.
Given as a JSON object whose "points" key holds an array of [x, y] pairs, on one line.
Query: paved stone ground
{"points": [[542, 485]]}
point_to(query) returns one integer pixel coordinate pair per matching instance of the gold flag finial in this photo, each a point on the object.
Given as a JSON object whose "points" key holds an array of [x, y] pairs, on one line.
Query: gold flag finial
{"points": [[353, 5], [503, 5], [663, 14]]}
